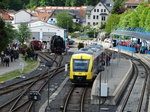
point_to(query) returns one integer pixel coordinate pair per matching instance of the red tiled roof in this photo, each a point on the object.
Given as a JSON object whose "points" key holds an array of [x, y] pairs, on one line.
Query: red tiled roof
{"points": [[5, 15], [60, 7], [133, 1], [2, 11], [43, 16], [51, 9]]}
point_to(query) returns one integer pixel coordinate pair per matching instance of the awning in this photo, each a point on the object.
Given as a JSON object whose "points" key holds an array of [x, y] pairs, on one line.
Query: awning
{"points": [[136, 34]]}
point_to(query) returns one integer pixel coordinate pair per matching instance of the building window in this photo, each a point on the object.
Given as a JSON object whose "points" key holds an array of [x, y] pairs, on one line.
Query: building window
{"points": [[88, 23], [97, 23], [94, 10], [93, 23], [104, 10], [88, 16], [101, 10], [103, 18], [99, 4], [97, 16], [97, 10], [108, 4], [93, 16]]}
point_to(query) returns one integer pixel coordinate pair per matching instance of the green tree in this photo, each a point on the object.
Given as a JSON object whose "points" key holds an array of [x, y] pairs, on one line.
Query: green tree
{"points": [[67, 3], [24, 33], [3, 5], [112, 22], [92, 33], [134, 19], [93, 2], [33, 4], [13, 4], [7, 34], [147, 21], [43, 3], [143, 17], [73, 3], [116, 8], [64, 20], [125, 19], [141, 7]]}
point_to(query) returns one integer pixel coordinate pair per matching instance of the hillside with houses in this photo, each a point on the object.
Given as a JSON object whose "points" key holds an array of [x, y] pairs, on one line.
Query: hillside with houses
{"points": [[42, 21]]}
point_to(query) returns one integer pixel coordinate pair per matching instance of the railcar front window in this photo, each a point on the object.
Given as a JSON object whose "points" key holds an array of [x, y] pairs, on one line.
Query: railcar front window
{"points": [[80, 65]]}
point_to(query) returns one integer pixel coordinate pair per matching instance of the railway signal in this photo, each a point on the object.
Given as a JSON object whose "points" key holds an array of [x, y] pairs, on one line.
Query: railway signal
{"points": [[34, 96]]}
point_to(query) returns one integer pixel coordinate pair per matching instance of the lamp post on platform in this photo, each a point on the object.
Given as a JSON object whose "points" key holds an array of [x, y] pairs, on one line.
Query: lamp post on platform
{"points": [[100, 69]]}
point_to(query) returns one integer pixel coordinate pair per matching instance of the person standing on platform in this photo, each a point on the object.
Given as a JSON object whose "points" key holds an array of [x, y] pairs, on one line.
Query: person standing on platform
{"points": [[12, 54], [48, 46], [2, 58], [7, 60], [107, 59]]}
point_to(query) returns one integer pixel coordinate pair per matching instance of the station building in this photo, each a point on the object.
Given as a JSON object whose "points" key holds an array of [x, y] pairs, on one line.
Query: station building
{"points": [[44, 31]]}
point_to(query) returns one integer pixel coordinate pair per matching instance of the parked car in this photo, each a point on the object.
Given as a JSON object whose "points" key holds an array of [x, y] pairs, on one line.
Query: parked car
{"points": [[70, 41]]}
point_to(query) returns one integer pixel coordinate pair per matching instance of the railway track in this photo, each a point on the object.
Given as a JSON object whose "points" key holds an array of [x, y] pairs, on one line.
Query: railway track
{"points": [[20, 103], [58, 61], [75, 100], [133, 98], [49, 57], [23, 83]]}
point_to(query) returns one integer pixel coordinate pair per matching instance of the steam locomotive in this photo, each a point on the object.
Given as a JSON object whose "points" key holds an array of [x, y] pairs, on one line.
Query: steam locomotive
{"points": [[57, 44]]}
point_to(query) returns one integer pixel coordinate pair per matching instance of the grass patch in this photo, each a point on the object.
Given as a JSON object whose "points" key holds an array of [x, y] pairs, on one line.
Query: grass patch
{"points": [[31, 64], [84, 38]]}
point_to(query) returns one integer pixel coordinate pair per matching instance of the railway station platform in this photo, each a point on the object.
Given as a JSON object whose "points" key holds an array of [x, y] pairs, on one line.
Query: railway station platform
{"points": [[143, 57], [115, 77], [12, 66]]}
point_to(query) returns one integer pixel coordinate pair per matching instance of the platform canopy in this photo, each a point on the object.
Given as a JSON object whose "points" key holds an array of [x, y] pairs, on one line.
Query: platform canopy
{"points": [[136, 33]]}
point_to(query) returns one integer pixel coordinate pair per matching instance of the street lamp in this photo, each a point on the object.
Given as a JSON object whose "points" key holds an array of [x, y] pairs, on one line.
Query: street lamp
{"points": [[48, 64]]}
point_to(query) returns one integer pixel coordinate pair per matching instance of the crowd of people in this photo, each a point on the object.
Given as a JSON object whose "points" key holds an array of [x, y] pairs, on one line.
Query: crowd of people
{"points": [[10, 54]]}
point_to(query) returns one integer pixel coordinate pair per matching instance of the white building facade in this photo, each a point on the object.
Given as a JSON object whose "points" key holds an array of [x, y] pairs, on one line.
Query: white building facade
{"points": [[43, 31], [21, 17], [99, 14]]}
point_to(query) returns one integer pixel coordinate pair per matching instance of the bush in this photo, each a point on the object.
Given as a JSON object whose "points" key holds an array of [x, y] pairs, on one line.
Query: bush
{"points": [[29, 52], [84, 38], [22, 48], [75, 35]]}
